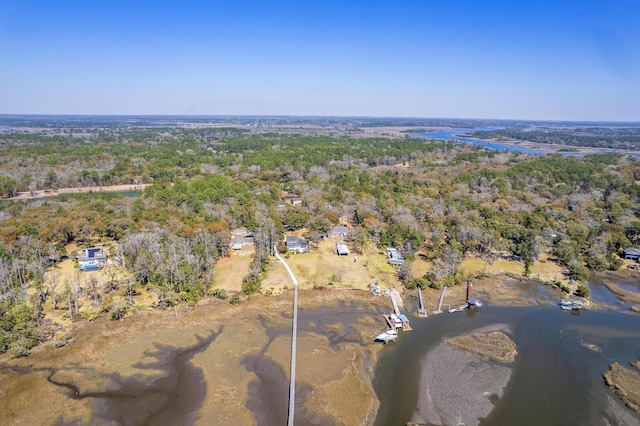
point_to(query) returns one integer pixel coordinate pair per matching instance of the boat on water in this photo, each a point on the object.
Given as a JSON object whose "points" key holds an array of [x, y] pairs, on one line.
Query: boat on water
{"points": [[473, 304], [387, 336], [570, 305]]}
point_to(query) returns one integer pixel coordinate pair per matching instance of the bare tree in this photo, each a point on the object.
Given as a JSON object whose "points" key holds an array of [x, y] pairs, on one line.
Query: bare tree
{"points": [[448, 263], [54, 284], [128, 282]]}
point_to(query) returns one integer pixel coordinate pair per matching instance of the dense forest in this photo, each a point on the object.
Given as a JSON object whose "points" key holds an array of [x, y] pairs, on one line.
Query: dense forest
{"points": [[627, 138], [442, 199]]}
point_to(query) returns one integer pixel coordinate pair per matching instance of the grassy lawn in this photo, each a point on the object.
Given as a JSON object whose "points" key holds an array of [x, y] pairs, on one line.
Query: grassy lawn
{"points": [[229, 271], [542, 268], [323, 268]]}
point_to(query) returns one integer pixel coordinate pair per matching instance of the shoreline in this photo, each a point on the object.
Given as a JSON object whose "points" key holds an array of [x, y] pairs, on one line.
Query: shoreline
{"points": [[105, 350], [555, 148], [26, 195]]}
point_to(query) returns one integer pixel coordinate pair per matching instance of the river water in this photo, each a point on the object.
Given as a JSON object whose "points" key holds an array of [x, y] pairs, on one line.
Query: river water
{"points": [[449, 135], [555, 379]]}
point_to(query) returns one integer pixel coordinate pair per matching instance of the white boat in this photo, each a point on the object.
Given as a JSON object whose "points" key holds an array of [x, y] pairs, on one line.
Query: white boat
{"points": [[570, 305], [473, 304], [387, 336]]}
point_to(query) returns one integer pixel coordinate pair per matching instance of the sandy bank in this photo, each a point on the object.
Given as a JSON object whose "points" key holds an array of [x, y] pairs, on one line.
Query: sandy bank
{"points": [[625, 383], [460, 387], [80, 190]]}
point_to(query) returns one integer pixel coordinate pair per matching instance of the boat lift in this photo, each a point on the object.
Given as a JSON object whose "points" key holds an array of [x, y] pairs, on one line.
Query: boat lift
{"points": [[422, 313], [439, 311]]}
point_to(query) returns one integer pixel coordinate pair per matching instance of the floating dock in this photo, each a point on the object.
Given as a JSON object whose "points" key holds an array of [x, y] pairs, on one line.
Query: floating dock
{"points": [[405, 323]]}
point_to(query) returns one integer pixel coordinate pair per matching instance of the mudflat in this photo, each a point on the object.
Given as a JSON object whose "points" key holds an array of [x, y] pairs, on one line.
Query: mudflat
{"points": [[215, 363], [461, 386]]}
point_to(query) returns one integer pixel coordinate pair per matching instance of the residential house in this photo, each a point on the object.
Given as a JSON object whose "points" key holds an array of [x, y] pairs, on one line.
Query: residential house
{"points": [[293, 201], [342, 249], [339, 231], [632, 253], [92, 258], [296, 245], [240, 238], [394, 257]]}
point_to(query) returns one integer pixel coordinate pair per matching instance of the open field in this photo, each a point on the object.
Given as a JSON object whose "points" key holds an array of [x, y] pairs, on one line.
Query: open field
{"points": [[229, 271], [323, 268]]}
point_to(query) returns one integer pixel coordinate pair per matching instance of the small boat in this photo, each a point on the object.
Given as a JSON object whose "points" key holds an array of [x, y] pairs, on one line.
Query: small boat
{"points": [[473, 304], [570, 305], [387, 336], [397, 323]]}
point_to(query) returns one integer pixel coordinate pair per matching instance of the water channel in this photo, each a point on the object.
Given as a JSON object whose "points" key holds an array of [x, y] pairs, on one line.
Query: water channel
{"points": [[450, 135], [556, 378]]}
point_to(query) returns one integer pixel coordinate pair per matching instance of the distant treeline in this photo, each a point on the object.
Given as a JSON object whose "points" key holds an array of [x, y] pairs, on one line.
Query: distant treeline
{"points": [[596, 137]]}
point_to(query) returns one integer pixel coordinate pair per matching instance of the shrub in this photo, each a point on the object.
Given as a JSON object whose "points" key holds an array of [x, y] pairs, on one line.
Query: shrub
{"points": [[582, 291], [118, 312], [63, 341], [218, 293], [250, 285]]}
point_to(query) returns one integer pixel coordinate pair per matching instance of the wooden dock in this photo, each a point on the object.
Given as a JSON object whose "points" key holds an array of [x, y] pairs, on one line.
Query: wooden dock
{"points": [[389, 322], [422, 312]]}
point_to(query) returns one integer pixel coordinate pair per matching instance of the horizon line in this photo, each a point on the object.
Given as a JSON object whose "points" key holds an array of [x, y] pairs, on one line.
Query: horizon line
{"points": [[254, 116]]}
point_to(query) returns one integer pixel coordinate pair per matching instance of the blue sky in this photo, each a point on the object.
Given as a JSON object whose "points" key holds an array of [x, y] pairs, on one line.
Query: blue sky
{"points": [[558, 60]]}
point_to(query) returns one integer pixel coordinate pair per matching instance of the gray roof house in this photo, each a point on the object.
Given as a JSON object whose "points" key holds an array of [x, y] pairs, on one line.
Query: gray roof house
{"points": [[632, 253], [339, 231], [295, 244], [395, 258], [240, 237]]}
